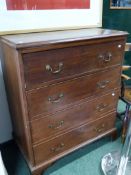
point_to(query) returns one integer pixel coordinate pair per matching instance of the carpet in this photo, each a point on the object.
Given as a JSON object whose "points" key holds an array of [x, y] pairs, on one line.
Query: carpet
{"points": [[85, 161]]}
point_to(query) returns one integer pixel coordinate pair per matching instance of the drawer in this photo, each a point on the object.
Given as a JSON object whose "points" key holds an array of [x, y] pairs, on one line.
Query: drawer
{"points": [[61, 64], [44, 128], [50, 99], [68, 141]]}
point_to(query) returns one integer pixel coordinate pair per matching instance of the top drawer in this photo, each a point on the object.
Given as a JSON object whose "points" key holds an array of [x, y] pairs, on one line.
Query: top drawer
{"points": [[47, 67]]}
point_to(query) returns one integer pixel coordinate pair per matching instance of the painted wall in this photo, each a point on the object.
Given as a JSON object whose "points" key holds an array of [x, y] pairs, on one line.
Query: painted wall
{"points": [[116, 19], [112, 19], [120, 20]]}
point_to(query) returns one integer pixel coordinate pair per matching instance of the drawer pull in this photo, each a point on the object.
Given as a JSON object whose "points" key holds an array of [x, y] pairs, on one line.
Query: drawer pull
{"points": [[60, 96], [49, 68], [58, 148], [100, 129], [56, 126], [106, 57], [103, 84], [101, 107]]}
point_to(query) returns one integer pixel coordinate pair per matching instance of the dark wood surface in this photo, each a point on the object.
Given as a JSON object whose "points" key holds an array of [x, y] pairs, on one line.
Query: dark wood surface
{"points": [[51, 125], [73, 102], [52, 148], [45, 38], [49, 100], [80, 59], [17, 100]]}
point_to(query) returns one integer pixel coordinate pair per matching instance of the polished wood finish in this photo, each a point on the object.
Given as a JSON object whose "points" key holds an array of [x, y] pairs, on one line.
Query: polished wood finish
{"points": [[56, 97], [63, 89], [79, 59], [51, 125], [52, 148], [48, 40], [17, 100]]}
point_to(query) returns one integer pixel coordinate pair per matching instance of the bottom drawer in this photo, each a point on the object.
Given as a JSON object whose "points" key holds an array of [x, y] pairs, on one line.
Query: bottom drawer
{"points": [[59, 145]]}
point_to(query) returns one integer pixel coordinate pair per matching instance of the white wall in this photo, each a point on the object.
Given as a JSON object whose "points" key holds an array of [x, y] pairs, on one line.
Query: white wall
{"points": [[5, 121]]}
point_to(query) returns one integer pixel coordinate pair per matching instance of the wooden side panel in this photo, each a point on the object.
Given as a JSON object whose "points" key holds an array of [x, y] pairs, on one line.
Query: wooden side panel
{"points": [[15, 91]]}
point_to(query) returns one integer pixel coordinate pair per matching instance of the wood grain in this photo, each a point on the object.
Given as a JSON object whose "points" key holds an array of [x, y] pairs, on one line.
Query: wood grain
{"points": [[52, 148], [56, 110], [73, 92], [80, 59], [17, 101], [47, 127]]}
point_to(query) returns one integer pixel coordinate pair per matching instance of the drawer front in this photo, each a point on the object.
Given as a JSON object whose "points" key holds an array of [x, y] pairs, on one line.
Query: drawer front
{"points": [[63, 143], [60, 64], [44, 128], [56, 97]]}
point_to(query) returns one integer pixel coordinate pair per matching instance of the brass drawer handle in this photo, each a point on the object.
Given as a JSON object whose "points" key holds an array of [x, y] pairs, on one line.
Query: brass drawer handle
{"points": [[56, 126], [60, 96], [106, 57], [103, 84], [49, 68], [100, 129], [101, 107], [58, 148]]}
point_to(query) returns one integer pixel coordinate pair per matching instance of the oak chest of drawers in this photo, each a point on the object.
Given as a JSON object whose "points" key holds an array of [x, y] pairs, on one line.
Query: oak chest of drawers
{"points": [[63, 89]]}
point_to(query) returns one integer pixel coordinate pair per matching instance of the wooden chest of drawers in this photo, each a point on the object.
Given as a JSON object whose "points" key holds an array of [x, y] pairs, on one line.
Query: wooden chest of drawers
{"points": [[63, 89]]}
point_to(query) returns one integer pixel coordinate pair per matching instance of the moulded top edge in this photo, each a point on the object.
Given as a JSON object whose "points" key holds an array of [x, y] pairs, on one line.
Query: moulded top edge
{"points": [[52, 37]]}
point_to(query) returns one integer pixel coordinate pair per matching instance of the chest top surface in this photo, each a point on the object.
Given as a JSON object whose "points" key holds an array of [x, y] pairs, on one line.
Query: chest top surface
{"points": [[44, 38]]}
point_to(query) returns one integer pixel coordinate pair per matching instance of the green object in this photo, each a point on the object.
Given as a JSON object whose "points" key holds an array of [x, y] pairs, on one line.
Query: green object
{"points": [[121, 106], [119, 19], [85, 161]]}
